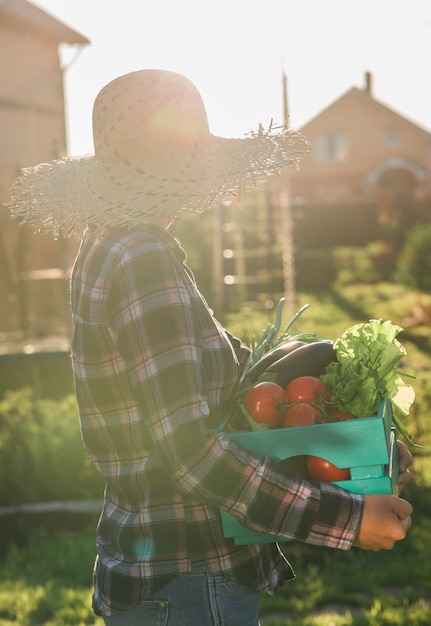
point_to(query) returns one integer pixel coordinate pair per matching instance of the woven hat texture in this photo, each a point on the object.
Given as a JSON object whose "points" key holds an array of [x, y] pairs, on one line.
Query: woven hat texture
{"points": [[154, 156]]}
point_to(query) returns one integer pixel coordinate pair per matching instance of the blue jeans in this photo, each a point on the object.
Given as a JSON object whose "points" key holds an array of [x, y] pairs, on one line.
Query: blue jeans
{"points": [[190, 599]]}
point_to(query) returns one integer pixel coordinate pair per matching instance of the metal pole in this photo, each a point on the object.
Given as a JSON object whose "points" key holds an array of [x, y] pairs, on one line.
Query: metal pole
{"points": [[217, 262], [288, 252]]}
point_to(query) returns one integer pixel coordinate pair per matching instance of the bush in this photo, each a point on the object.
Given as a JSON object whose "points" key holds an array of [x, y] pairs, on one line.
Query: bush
{"points": [[414, 263], [366, 264], [42, 457]]}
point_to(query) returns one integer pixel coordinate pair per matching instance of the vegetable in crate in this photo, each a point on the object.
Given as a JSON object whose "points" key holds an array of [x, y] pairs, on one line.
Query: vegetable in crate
{"points": [[264, 403], [273, 345], [266, 363], [367, 370], [271, 357], [307, 360], [321, 469]]}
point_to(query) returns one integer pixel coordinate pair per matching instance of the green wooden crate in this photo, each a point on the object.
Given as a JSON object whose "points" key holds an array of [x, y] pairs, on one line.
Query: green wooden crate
{"points": [[366, 445]]}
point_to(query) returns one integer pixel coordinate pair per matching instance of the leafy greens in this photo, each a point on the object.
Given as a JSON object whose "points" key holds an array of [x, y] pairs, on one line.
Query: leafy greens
{"points": [[367, 370]]}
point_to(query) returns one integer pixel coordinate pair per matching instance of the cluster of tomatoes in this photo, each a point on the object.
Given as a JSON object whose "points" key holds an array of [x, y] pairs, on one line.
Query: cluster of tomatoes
{"points": [[303, 402]]}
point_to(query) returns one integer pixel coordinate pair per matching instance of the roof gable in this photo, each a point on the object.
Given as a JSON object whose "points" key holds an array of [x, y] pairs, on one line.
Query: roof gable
{"points": [[25, 16], [355, 92]]}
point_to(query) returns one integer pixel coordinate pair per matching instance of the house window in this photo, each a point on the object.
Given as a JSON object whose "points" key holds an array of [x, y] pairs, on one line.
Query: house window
{"points": [[392, 138], [331, 148]]}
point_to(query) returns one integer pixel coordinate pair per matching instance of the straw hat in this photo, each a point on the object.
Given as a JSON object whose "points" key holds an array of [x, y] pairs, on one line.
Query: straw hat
{"points": [[154, 156]]}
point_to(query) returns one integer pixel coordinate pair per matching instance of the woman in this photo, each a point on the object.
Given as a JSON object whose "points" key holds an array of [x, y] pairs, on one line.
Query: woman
{"points": [[154, 371]]}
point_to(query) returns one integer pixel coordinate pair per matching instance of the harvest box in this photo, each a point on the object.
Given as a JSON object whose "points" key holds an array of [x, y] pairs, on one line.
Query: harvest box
{"points": [[366, 445]]}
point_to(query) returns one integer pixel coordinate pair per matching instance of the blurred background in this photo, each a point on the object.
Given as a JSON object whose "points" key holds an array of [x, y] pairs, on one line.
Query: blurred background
{"points": [[348, 233]]}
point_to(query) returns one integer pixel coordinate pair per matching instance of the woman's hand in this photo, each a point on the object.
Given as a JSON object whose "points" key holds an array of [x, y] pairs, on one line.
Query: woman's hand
{"points": [[405, 460], [386, 519]]}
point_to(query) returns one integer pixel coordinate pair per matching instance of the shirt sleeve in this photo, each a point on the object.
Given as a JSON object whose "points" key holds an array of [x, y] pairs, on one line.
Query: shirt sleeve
{"points": [[153, 321]]}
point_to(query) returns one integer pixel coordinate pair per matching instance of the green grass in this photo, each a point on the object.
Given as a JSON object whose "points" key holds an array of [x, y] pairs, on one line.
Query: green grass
{"points": [[48, 581]]}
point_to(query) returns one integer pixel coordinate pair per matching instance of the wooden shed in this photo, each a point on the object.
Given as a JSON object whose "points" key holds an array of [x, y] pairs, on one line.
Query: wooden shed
{"points": [[32, 130]]}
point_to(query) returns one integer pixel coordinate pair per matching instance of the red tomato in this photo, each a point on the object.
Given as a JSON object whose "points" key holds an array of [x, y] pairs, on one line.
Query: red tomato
{"points": [[321, 469], [307, 389], [301, 414], [340, 416], [262, 403]]}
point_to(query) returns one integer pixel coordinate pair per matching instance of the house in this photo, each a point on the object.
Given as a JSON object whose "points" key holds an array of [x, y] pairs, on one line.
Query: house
{"points": [[32, 130], [367, 179], [361, 147], [369, 168]]}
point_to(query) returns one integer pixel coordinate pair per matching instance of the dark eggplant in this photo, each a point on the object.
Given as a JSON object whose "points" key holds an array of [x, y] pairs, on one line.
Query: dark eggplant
{"points": [[308, 360], [271, 357]]}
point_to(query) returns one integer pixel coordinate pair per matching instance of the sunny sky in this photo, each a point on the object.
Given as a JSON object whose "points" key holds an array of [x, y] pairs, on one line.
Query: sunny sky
{"points": [[235, 51]]}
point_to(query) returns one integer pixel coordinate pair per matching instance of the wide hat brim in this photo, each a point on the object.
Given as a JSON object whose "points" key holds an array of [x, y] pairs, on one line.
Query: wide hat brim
{"points": [[64, 196]]}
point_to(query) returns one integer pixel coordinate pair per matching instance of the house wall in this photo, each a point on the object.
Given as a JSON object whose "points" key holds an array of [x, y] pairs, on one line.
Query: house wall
{"points": [[32, 130], [366, 123], [32, 122]]}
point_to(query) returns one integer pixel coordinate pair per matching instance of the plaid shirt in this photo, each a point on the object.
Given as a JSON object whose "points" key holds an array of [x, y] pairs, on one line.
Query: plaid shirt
{"points": [[154, 372]]}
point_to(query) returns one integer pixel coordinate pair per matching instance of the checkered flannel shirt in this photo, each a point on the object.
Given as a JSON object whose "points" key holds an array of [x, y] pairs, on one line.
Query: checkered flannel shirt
{"points": [[154, 372]]}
